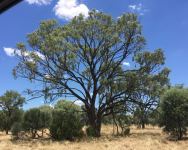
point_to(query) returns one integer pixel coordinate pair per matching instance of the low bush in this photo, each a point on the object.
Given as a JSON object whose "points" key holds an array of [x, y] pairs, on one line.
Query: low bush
{"points": [[32, 121], [90, 132], [66, 121], [16, 129]]}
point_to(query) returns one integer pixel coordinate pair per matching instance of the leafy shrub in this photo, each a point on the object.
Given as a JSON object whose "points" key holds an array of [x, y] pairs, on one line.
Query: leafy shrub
{"points": [[32, 121], [66, 121], [123, 122], [7, 121], [173, 112], [90, 131], [45, 117], [56, 129], [126, 131], [11, 103], [37, 119], [16, 129]]}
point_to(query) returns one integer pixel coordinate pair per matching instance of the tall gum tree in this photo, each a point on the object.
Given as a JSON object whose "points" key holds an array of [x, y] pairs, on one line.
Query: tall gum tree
{"points": [[81, 59]]}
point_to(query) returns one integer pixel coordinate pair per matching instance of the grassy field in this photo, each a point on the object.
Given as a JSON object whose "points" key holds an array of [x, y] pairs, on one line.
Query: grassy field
{"points": [[147, 139]]}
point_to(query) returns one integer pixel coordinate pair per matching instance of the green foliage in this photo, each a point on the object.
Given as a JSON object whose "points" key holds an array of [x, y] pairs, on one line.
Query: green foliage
{"points": [[16, 129], [90, 131], [32, 121], [140, 117], [85, 51], [149, 83], [153, 117], [56, 129], [67, 106], [37, 119], [173, 111], [45, 116], [11, 100], [124, 122], [107, 120], [89, 52], [10, 103], [66, 121], [3, 121]]}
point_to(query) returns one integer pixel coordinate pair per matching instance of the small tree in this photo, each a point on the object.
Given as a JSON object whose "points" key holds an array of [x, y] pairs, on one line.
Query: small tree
{"points": [[66, 121], [124, 122], [32, 121], [10, 103], [173, 112], [45, 117], [16, 129], [150, 81], [153, 117]]}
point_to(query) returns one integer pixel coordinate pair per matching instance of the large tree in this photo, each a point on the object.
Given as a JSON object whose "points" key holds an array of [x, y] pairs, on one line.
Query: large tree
{"points": [[10, 103], [82, 59]]}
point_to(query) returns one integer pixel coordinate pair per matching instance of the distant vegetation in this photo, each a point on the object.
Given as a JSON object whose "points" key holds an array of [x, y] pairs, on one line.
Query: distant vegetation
{"points": [[66, 120], [101, 62]]}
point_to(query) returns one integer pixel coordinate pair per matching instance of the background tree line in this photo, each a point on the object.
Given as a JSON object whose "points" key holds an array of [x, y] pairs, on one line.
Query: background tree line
{"points": [[66, 120]]}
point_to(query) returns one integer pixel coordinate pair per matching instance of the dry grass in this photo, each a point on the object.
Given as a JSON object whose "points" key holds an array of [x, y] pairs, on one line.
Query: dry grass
{"points": [[147, 139]]}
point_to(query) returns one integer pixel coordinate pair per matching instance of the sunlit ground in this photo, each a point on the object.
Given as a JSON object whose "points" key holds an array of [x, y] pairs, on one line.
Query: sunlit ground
{"points": [[148, 139]]}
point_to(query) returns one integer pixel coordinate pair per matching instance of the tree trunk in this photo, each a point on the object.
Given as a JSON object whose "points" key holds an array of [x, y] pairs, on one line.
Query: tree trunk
{"points": [[114, 122], [42, 132], [33, 132], [143, 121], [96, 127], [6, 132], [143, 124], [180, 134], [179, 130], [95, 122]]}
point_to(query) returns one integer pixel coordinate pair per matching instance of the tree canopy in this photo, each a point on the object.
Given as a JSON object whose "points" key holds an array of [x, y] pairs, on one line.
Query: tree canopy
{"points": [[150, 82], [10, 103], [84, 59], [173, 111]]}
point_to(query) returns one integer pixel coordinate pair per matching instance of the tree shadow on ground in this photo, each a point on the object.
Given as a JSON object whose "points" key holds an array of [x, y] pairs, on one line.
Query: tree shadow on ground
{"points": [[30, 141], [145, 134]]}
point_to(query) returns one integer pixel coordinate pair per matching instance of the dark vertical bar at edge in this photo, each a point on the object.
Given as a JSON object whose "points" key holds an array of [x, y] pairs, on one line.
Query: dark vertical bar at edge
{"points": [[7, 4]]}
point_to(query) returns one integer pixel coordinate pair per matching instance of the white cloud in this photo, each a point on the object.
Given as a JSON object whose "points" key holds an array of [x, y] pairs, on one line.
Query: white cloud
{"points": [[51, 105], [47, 76], [12, 52], [39, 55], [78, 102], [138, 8], [126, 64], [39, 2], [67, 9], [9, 51], [133, 7]]}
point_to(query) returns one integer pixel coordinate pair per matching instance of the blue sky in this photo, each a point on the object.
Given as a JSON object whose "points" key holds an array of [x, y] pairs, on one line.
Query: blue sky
{"points": [[164, 26]]}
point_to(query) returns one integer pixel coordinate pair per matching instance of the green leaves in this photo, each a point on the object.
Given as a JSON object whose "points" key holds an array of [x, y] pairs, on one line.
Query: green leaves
{"points": [[173, 111], [66, 122], [11, 100], [83, 59], [148, 59], [10, 103], [66, 106]]}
